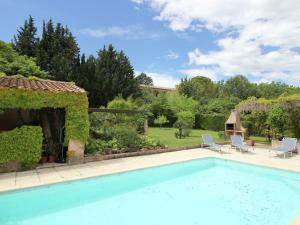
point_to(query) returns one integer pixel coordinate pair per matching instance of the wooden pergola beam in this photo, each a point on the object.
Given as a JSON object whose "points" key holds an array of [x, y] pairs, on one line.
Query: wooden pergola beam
{"points": [[127, 111]]}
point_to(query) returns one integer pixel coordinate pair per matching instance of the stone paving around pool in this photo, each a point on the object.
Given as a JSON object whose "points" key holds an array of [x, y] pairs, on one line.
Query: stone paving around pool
{"points": [[42, 176]]}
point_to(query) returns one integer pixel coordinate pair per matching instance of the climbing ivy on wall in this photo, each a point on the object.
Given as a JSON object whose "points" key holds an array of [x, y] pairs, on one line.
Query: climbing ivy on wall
{"points": [[75, 105], [22, 144]]}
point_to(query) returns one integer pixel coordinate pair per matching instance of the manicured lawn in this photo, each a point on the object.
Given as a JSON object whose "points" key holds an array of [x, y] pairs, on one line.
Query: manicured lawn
{"points": [[261, 140], [167, 137]]}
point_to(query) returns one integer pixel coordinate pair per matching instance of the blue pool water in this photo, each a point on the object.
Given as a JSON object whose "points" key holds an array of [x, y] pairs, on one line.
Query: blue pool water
{"points": [[204, 192]]}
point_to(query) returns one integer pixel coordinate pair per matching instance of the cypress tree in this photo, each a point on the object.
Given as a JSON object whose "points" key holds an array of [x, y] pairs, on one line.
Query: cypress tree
{"points": [[26, 42], [58, 51], [115, 75]]}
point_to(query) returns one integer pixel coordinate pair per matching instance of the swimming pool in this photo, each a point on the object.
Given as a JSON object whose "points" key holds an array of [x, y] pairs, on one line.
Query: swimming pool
{"points": [[208, 192]]}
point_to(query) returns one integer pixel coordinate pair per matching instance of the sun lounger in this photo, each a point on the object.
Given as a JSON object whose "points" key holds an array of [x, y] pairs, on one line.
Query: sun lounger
{"points": [[288, 145], [237, 142], [208, 142]]}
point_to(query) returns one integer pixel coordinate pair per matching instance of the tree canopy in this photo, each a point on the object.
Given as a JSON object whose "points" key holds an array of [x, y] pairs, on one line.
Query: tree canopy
{"points": [[144, 79], [107, 76], [26, 40], [199, 88], [11, 63]]}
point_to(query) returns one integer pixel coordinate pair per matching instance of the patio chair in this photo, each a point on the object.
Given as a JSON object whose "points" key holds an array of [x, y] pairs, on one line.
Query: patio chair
{"points": [[208, 142], [237, 142], [288, 145]]}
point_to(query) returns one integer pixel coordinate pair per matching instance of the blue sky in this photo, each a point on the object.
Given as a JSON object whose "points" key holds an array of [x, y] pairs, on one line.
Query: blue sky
{"points": [[170, 39]]}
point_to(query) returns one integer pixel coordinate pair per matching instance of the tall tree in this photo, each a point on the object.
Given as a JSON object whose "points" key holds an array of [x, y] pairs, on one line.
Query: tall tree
{"points": [[58, 51], [144, 79], [26, 41], [275, 89], [86, 78], [11, 63], [239, 86], [199, 88], [115, 75], [107, 76]]}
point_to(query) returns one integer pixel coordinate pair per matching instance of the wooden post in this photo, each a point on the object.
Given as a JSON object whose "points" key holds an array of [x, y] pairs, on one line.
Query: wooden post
{"points": [[146, 126]]}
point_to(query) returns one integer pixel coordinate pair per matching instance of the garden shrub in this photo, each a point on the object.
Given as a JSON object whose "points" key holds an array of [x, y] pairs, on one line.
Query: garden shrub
{"points": [[22, 144], [278, 121], [160, 120], [214, 122], [93, 146], [126, 136], [185, 122]]}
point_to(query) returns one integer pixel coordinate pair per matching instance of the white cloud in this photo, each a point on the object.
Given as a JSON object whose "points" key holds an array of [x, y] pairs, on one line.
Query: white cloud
{"points": [[247, 27], [172, 55], [137, 1], [129, 32], [161, 79]]}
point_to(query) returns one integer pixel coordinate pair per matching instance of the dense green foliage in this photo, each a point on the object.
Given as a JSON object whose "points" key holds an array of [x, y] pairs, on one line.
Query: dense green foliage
{"points": [[216, 100], [22, 144], [120, 132], [26, 41], [212, 116], [273, 118], [144, 79], [58, 52], [240, 87], [185, 122], [202, 89], [107, 76], [75, 105], [277, 121], [161, 120], [11, 63]]}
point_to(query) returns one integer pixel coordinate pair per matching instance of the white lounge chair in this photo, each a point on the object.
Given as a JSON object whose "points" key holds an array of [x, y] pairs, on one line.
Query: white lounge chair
{"points": [[237, 142], [208, 142], [288, 145]]}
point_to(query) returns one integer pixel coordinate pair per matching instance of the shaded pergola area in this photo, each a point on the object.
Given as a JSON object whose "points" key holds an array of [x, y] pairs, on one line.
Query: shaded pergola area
{"points": [[52, 122], [60, 108]]}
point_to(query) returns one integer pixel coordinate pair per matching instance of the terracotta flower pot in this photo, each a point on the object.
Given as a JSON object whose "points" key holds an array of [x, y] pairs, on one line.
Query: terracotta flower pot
{"points": [[250, 142], [44, 159], [51, 158]]}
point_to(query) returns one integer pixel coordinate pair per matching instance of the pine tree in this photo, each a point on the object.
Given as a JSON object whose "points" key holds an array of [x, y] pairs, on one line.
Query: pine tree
{"points": [[26, 42]]}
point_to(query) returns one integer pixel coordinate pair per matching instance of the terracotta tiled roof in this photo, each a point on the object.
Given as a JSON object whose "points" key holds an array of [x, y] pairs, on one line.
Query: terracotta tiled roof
{"points": [[43, 85]]}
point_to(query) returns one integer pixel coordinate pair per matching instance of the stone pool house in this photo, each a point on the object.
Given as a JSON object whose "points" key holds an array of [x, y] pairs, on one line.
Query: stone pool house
{"points": [[60, 109]]}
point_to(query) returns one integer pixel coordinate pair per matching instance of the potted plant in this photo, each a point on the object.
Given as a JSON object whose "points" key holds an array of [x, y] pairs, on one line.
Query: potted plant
{"points": [[250, 142], [44, 158]]}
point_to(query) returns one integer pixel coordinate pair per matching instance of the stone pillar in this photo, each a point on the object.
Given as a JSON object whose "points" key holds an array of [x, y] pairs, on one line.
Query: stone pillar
{"points": [[75, 152], [146, 126]]}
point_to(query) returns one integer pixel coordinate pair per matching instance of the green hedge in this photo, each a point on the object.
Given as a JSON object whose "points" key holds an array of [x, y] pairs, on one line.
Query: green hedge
{"points": [[75, 105], [214, 122], [22, 144]]}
